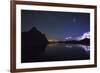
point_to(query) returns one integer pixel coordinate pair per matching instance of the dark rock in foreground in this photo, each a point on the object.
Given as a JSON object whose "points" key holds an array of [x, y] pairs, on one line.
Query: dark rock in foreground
{"points": [[32, 41]]}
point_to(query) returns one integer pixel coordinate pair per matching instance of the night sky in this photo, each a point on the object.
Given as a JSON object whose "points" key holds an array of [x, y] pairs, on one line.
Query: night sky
{"points": [[56, 25]]}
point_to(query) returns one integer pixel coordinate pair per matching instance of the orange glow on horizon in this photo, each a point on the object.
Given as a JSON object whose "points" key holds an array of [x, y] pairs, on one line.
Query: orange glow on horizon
{"points": [[51, 40]]}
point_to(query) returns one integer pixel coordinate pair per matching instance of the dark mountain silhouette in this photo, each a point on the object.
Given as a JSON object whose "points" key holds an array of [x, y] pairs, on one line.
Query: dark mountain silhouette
{"points": [[85, 41], [32, 41]]}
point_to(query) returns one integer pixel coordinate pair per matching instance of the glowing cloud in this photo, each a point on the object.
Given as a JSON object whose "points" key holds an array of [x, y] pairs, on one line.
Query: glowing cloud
{"points": [[68, 38], [85, 35]]}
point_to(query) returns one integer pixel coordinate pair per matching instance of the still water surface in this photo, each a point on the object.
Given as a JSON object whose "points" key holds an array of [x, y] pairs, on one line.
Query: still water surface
{"points": [[59, 52]]}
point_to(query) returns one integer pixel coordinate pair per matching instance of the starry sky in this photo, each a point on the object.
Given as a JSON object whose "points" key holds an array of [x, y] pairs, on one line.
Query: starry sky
{"points": [[56, 25]]}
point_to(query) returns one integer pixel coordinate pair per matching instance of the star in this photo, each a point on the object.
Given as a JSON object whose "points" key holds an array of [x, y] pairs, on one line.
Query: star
{"points": [[74, 20]]}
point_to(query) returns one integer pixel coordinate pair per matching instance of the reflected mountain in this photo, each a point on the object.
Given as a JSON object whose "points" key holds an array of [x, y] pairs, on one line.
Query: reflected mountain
{"points": [[66, 52], [86, 48]]}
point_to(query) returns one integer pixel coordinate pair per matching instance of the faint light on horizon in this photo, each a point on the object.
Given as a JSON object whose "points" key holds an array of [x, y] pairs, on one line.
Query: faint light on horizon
{"points": [[51, 40]]}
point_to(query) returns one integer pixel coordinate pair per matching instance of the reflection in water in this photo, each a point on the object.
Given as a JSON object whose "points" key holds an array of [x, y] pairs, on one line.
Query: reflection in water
{"points": [[62, 51], [57, 52], [52, 45], [86, 48]]}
